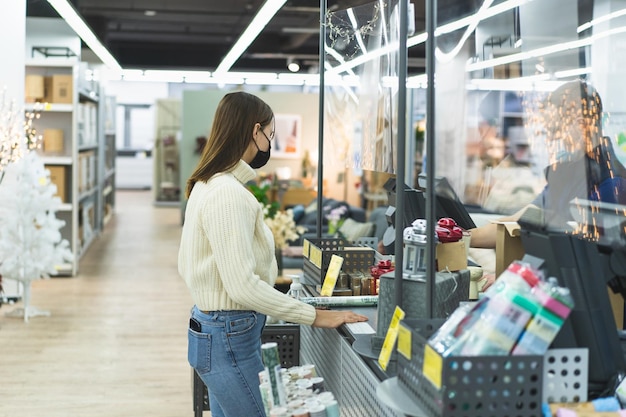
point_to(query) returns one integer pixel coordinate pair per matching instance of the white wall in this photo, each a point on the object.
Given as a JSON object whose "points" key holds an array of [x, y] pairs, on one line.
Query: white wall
{"points": [[12, 26], [127, 92], [48, 31]]}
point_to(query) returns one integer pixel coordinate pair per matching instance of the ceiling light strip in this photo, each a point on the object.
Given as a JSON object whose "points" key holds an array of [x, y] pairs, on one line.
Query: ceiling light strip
{"points": [[262, 18], [544, 51], [447, 57], [420, 38], [602, 19], [78, 25]]}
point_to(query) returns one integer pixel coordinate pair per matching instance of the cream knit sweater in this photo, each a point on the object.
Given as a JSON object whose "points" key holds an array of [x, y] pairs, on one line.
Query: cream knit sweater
{"points": [[226, 253]]}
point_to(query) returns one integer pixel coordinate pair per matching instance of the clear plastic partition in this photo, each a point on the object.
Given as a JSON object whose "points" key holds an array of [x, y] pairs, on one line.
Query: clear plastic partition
{"points": [[361, 87], [530, 102], [530, 111], [531, 107]]}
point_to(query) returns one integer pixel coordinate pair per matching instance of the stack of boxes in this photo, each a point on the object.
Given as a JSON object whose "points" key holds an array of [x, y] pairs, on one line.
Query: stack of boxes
{"points": [[54, 89], [86, 171]]}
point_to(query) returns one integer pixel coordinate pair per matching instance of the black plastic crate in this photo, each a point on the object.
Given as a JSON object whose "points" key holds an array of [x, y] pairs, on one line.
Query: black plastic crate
{"points": [[471, 386], [357, 256], [287, 336]]}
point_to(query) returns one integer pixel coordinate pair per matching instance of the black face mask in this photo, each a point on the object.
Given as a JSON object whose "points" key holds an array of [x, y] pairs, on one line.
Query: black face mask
{"points": [[261, 157]]}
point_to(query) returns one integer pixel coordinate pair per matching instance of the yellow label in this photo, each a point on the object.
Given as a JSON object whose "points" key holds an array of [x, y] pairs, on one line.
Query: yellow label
{"points": [[390, 338], [315, 256], [305, 248], [331, 276], [433, 366], [404, 342], [47, 106]]}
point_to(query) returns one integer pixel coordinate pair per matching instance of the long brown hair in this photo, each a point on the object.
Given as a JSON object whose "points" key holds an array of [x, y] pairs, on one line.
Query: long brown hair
{"points": [[231, 133]]}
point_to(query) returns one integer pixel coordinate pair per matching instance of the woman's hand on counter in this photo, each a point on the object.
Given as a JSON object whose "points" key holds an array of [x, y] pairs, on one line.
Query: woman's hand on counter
{"points": [[334, 318]]}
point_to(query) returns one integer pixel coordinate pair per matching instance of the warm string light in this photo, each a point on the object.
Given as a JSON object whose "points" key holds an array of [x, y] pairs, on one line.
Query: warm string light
{"points": [[17, 132]]}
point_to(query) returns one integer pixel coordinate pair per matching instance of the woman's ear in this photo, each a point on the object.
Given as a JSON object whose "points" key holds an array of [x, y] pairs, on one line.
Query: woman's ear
{"points": [[255, 129]]}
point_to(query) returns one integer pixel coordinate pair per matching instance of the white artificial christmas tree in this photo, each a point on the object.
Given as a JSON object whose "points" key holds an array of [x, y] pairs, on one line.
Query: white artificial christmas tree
{"points": [[31, 245]]}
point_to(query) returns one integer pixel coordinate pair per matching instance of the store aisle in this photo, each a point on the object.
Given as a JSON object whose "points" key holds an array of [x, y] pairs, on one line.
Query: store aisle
{"points": [[115, 343]]}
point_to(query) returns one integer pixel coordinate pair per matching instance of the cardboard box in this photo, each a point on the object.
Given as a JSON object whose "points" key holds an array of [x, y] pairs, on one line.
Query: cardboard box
{"points": [[57, 177], [451, 256], [34, 88], [59, 89], [508, 245], [53, 141]]}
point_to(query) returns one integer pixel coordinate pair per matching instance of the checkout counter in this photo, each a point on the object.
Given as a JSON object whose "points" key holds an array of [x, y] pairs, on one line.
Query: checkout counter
{"points": [[350, 367]]}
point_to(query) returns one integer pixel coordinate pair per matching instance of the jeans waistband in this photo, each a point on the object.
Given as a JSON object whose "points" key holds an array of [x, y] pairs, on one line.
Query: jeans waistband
{"points": [[223, 312]]}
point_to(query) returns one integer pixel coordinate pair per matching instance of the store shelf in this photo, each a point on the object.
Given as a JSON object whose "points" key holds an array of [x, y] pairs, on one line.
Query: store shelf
{"points": [[50, 63], [90, 147], [64, 269], [48, 107], [65, 207], [89, 95], [81, 150], [57, 160]]}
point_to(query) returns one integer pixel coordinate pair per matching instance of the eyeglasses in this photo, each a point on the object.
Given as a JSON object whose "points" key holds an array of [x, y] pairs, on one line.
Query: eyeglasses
{"points": [[271, 136]]}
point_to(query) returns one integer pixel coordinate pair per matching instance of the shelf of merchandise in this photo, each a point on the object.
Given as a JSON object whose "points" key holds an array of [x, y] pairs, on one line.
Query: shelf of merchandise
{"points": [[107, 157], [77, 163]]}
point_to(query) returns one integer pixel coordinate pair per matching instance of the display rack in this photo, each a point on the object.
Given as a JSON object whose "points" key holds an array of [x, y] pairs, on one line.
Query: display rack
{"points": [[69, 109]]}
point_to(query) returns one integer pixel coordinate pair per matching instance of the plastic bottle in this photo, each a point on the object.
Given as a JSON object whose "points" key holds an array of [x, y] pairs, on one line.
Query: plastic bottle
{"points": [[557, 299], [519, 277], [295, 289]]}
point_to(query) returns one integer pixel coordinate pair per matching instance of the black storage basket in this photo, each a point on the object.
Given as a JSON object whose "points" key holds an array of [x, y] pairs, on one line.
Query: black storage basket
{"points": [[287, 336], [357, 256], [471, 386]]}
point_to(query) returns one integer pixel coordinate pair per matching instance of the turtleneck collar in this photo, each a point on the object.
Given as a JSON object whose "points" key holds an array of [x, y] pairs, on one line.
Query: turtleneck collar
{"points": [[243, 172]]}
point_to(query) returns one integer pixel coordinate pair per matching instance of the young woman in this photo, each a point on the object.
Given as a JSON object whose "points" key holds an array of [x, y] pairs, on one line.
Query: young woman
{"points": [[228, 261]]}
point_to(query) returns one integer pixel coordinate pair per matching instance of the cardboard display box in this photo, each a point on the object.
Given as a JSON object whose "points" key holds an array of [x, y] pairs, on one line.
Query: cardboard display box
{"points": [[451, 256], [53, 141], [57, 177], [508, 245], [59, 89], [34, 88]]}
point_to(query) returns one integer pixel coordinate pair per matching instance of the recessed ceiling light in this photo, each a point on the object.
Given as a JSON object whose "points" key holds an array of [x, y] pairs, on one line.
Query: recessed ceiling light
{"points": [[150, 13]]}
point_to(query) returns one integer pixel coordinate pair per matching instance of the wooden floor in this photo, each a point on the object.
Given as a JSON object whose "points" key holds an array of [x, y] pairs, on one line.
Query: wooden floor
{"points": [[115, 343]]}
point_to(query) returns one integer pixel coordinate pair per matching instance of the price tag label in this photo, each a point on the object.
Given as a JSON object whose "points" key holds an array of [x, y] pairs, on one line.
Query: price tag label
{"points": [[390, 338], [331, 276], [433, 366], [404, 342], [305, 248], [315, 256], [47, 106]]}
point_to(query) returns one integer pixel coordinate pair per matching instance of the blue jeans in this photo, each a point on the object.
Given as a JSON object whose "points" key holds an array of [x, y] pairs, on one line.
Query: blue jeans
{"points": [[226, 353]]}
